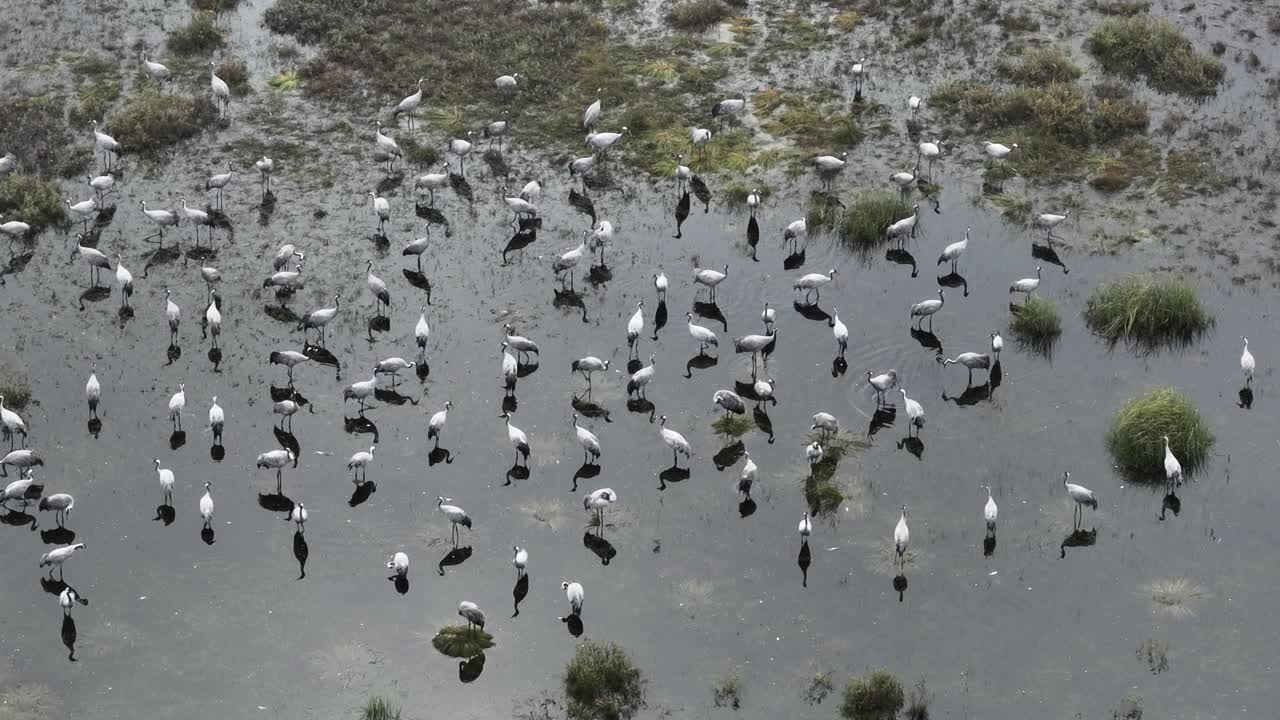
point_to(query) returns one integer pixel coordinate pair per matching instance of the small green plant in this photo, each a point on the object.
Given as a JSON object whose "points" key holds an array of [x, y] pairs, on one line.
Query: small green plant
{"points": [[866, 219], [1147, 310], [378, 707], [697, 15], [14, 386], [846, 21], [1038, 66], [1036, 323], [285, 81], [818, 689], [29, 199], [731, 425], [150, 120], [461, 641], [726, 692], [198, 37], [876, 696], [1135, 438], [1154, 48], [602, 683], [1130, 708]]}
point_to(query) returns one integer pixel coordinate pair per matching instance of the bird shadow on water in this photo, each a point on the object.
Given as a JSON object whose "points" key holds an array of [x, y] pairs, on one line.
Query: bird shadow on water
{"points": [[672, 475], [602, 548], [275, 502], [288, 441], [565, 298], [166, 514], [53, 587], [599, 274], [883, 417], [391, 397], [516, 472], [469, 670], [400, 583], [439, 455], [215, 358], [177, 439], [301, 551], [520, 240], [94, 294], [659, 318], [95, 427], [266, 208], [753, 237], [839, 366], [361, 494], [701, 361], [520, 592], [811, 312], [163, 255], [747, 508], [972, 395], [57, 536], [763, 422], [641, 406], [927, 340], [804, 560], [1046, 253], [954, 280], [585, 472], [711, 311], [1078, 538], [510, 403], [1170, 503], [581, 202], [794, 260], [1246, 398], [586, 408], [378, 323], [902, 257], [702, 192], [728, 455], [172, 353], [69, 634], [281, 313], [989, 546], [573, 623], [682, 214], [453, 558], [419, 281], [900, 585], [913, 445], [361, 425], [206, 534]]}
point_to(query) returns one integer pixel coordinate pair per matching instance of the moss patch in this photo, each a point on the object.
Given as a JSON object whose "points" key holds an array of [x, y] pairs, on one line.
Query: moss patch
{"points": [[1154, 48], [198, 37], [1135, 438], [149, 120], [602, 683], [1147, 310], [460, 641]]}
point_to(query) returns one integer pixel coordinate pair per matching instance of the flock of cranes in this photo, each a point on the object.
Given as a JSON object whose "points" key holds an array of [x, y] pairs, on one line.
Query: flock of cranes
{"points": [[288, 276]]}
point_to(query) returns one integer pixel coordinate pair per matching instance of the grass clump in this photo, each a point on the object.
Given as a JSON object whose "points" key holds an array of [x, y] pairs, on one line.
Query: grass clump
{"points": [[1154, 48], [198, 37], [419, 154], [285, 81], [726, 692], [460, 641], [865, 219], [846, 21], [1175, 597], [731, 425], [602, 683], [35, 202], [14, 386], [1135, 438], [1130, 708], [876, 696], [150, 120], [1036, 323], [697, 15], [918, 701], [1039, 66], [93, 97], [1147, 310], [379, 708], [818, 689], [34, 129], [215, 6]]}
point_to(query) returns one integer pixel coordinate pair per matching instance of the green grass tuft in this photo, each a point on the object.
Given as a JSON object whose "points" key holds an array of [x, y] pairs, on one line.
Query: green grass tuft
{"points": [[918, 701], [1154, 48], [865, 220], [697, 15], [150, 120], [285, 81], [1147, 310], [198, 37], [602, 683], [460, 641], [1039, 66], [15, 387], [1135, 436], [1036, 323], [818, 689], [877, 696], [379, 708], [731, 425], [726, 692], [215, 6], [31, 200]]}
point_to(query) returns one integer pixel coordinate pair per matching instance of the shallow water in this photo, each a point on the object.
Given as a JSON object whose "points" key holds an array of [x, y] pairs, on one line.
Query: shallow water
{"points": [[691, 588]]}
